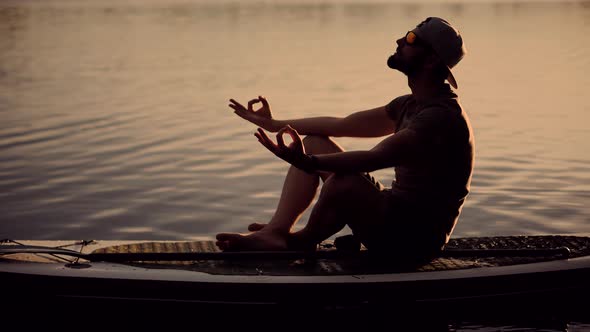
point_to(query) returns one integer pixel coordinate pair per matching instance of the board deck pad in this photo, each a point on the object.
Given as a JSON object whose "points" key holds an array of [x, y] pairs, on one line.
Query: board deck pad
{"points": [[354, 264]]}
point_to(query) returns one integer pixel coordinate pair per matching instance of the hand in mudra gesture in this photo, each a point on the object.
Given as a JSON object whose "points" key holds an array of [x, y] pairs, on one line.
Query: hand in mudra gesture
{"points": [[294, 154], [261, 117]]}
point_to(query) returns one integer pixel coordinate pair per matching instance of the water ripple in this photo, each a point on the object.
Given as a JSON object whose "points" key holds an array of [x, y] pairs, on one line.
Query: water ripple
{"points": [[116, 125]]}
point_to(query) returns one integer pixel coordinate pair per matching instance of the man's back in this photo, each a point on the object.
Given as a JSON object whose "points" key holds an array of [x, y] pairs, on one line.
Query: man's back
{"points": [[437, 176]]}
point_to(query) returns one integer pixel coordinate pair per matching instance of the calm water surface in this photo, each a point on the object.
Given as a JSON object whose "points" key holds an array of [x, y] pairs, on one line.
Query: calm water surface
{"points": [[115, 121], [115, 125]]}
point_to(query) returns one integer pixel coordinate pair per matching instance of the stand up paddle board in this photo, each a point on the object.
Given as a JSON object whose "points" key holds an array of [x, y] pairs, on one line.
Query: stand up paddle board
{"points": [[196, 272]]}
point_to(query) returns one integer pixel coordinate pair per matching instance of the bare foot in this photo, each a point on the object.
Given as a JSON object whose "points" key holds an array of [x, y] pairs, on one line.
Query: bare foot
{"points": [[258, 241], [255, 227]]}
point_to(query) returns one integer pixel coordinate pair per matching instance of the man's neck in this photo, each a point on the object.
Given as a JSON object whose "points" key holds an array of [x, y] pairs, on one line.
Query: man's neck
{"points": [[425, 88]]}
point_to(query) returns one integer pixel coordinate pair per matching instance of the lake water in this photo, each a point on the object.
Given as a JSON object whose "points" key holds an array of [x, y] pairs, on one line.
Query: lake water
{"points": [[115, 124]]}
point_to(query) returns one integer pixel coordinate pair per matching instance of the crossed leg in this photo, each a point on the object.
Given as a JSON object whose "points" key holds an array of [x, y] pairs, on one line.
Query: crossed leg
{"points": [[344, 199]]}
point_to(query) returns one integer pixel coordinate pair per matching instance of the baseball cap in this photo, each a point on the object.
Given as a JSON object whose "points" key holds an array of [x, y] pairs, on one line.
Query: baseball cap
{"points": [[445, 40]]}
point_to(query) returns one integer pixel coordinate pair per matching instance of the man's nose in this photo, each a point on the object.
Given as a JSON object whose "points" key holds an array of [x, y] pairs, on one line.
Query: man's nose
{"points": [[399, 42]]}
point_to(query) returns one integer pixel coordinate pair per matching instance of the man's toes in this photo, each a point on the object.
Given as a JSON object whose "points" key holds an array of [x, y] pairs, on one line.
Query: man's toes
{"points": [[226, 236], [222, 245], [229, 241]]}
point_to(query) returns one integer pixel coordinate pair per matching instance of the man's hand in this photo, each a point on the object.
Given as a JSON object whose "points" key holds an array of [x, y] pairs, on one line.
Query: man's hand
{"points": [[261, 117], [294, 154]]}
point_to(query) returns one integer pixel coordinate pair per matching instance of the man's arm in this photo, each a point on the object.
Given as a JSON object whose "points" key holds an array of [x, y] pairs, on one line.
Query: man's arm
{"points": [[375, 122], [370, 123], [388, 153]]}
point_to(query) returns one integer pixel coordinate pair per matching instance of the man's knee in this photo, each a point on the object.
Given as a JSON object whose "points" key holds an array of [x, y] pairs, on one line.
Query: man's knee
{"points": [[320, 144], [343, 186], [314, 139]]}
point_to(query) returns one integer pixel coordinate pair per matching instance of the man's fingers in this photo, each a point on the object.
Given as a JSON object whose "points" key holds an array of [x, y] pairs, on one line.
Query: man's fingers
{"points": [[266, 141], [264, 101], [294, 135], [263, 142], [236, 104], [264, 136], [280, 140], [280, 134], [260, 139], [251, 103], [296, 138], [237, 108]]}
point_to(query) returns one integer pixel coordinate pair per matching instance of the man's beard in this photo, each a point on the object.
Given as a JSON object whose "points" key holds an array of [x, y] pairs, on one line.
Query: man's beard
{"points": [[394, 62]]}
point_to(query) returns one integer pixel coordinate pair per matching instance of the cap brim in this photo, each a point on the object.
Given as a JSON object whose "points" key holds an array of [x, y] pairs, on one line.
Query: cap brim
{"points": [[451, 79]]}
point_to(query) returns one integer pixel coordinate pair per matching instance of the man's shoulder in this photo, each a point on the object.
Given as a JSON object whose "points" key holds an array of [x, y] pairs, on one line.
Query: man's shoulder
{"points": [[446, 116], [446, 106], [398, 103], [403, 98]]}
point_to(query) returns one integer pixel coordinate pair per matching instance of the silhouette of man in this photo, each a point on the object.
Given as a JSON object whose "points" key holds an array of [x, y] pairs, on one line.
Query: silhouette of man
{"points": [[428, 140]]}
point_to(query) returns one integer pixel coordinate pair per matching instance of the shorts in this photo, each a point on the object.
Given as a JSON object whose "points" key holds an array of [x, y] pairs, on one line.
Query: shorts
{"points": [[408, 230]]}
